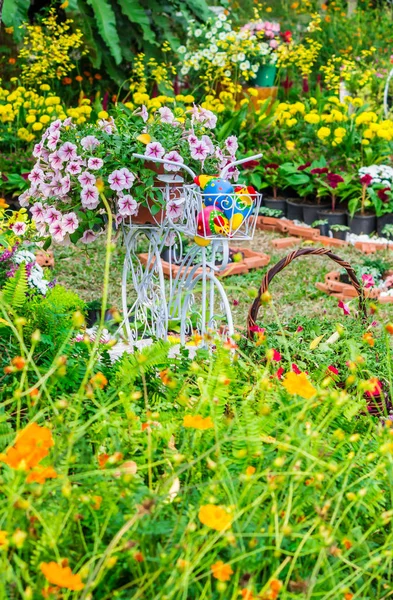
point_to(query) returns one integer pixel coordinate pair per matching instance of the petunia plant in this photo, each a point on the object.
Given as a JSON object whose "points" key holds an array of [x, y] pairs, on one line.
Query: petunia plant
{"points": [[81, 172]]}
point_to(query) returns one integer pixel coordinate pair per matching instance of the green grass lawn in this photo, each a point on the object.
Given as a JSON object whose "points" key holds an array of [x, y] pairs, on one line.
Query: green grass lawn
{"points": [[80, 268]]}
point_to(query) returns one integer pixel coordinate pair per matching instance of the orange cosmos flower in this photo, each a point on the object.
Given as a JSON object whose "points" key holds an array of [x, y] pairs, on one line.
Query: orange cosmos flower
{"points": [[221, 571], [41, 474], [3, 203], [62, 576], [99, 380], [298, 384], [138, 556], [247, 595], [31, 445], [250, 471], [389, 328], [275, 587], [368, 338], [198, 422], [18, 362], [214, 517]]}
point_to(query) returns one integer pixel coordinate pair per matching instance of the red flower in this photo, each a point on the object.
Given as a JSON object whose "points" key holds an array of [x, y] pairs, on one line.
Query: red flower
{"points": [[383, 195], [250, 164], [276, 356], [296, 369], [280, 373], [377, 389], [334, 180], [274, 166], [332, 369], [305, 166], [319, 171], [300, 328], [366, 179], [257, 329], [286, 36]]}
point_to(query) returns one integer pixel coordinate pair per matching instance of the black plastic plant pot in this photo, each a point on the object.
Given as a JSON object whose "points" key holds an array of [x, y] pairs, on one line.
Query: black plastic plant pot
{"points": [[310, 212], [362, 224], [93, 316], [324, 229], [333, 217], [294, 209], [340, 235], [382, 221], [279, 204]]}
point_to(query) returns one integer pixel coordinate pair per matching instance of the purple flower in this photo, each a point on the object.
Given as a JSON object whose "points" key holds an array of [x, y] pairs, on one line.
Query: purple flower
{"points": [[174, 156], [70, 222], [86, 178], [68, 151], [37, 150], [206, 140], [143, 112], [55, 160], [128, 207], [90, 197], [166, 115], [192, 139], [155, 150], [19, 227], [55, 126], [117, 181], [88, 236], [89, 142], [95, 163], [368, 280], [207, 118], [24, 198], [129, 178]]}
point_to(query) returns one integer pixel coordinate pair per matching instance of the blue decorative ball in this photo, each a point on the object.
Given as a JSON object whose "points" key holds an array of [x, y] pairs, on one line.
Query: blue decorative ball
{"points": [[215, 193]]}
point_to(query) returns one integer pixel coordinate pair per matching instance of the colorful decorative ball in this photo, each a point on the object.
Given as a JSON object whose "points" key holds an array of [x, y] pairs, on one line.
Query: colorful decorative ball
{"points": [[241, 208], [217, 192], [211, 221], [200, 241], [203, 180]]}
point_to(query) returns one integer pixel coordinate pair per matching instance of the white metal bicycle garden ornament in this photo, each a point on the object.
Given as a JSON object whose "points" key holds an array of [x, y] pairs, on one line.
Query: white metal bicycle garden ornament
{"points": [[193, 301], [386, 94]]}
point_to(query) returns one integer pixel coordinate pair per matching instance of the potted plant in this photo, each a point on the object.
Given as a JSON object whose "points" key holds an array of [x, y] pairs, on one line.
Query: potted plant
{"points": [[323, 226], [297, 177], [377, 182], [370, 196], [328, 184], [270, 212], [340, 232], [82, 172], [270, 178]]}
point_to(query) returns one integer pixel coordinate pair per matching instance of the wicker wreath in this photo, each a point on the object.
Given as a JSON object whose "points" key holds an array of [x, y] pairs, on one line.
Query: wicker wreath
{"points": [[284, 262]]}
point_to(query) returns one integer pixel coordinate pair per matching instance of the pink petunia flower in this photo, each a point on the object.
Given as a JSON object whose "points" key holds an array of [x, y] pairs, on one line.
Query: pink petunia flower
{"points": [[52, 215], [90, 142], [166, 115], [57, 231], [192, 139], [70, 222], [368, 280], [19, 227], [206, 140], [128, 207], [174, 156], [38, 212], [68, 151], [52, 140], [154, 150], [200, 151], [95, 163], [37, 150], [55, 160], [174, 209], [24, 198], [344, 307], [129, 178], [88, 236], [55, 126], [117, 181], [74, 167], [86, 178], [36, 176], [90, 197], [231, 144]]}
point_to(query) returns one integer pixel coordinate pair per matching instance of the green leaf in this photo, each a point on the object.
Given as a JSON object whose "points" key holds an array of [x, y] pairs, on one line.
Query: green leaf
{"points": [[14, 291], [106, 24], [14, 14], [135, 13]]}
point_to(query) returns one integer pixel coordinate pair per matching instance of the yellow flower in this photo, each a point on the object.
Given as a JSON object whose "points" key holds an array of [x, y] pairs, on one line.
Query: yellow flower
{"points": [[3, 538], [340, 132], [323, 133], [215, 517], [298, 384], [30, 119], [61, 576], [37, 126], [144, 138], [221, 571], [290, 145], [312, 118], [3, 203], [45, 87], [45, 119], [103, 114], [198, 422]]}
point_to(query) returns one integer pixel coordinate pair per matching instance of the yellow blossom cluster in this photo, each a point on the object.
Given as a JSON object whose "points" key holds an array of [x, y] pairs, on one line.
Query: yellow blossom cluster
{"points": [[339, 68], [46, 49], [26, 112]]}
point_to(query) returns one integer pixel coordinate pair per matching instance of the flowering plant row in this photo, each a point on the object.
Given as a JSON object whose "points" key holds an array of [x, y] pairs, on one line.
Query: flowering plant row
{"points": [[77, 167]]}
